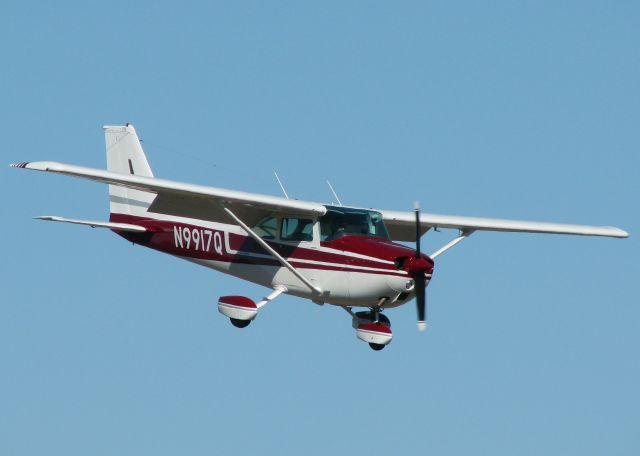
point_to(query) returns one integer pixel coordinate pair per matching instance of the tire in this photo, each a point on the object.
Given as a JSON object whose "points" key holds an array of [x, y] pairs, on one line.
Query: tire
{"points": [[239, 323]]}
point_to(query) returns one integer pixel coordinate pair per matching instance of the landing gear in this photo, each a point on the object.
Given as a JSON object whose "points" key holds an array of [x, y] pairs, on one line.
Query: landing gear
{"points": [[239, 323], [242, 310], [372, 327], [374, 316]]}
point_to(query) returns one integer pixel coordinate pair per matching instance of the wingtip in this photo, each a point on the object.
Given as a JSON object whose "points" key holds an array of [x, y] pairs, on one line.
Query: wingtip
{"points": [[422, 326], [614, 231], [622, 233], [19, 165]]}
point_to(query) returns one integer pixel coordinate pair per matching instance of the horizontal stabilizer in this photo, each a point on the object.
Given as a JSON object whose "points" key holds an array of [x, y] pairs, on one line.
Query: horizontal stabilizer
{"points": [[94, 223]]}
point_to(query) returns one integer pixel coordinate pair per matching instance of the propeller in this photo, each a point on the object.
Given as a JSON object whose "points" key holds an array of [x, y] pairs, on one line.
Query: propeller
{"points": [[419, 279], [416, 266]]}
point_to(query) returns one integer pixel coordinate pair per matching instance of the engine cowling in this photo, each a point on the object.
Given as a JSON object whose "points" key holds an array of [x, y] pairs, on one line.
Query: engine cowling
{"points": [[415, 265]]}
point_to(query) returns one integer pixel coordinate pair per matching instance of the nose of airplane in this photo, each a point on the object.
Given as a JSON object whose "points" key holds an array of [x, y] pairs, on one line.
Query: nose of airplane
{"points": [[415, 266]]}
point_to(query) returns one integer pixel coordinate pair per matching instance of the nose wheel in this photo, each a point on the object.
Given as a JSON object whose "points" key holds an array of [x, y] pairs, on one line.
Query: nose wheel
{"points": [[372, 327], [239, 323]]}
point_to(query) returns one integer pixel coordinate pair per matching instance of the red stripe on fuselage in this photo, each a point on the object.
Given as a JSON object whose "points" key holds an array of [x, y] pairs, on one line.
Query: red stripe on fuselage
{"points": [[212, 245]]}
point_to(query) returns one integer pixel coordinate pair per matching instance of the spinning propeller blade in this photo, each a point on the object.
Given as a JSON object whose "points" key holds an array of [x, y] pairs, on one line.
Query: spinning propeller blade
{"points": [[419, 279]]}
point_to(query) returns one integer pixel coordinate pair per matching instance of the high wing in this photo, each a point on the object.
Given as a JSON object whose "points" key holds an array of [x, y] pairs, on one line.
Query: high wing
{"points": [[401, 225], [192, 200], [185, 199]]}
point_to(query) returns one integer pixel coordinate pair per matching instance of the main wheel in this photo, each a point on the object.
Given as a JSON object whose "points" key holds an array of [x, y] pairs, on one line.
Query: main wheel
{"points": [[239, 323], [376, 347]]}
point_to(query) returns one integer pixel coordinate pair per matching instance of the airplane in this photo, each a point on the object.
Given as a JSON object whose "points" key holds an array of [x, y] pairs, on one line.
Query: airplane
{"points": [[349, 257]]}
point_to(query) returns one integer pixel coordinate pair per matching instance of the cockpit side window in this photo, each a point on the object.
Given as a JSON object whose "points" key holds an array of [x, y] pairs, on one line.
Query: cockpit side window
{"points": [[296, 229]]}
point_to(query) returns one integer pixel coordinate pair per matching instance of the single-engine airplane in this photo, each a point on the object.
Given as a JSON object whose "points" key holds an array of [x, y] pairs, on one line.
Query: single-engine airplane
{"points": [[330, 254]]}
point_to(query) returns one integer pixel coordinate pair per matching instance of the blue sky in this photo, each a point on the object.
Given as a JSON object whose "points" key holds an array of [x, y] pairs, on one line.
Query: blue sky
{"points": [[497, 109]]}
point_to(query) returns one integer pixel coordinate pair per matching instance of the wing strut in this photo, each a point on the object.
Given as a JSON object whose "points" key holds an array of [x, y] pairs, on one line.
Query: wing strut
{"points": [[273, 253], [463, 235]]}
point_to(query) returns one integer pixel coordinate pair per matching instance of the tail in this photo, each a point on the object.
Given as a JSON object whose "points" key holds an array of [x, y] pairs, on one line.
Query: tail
{"points": [[125, 155]]}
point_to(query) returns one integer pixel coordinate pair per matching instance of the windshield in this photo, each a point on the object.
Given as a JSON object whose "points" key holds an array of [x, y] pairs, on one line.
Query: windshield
{"points": [[342, 221]]}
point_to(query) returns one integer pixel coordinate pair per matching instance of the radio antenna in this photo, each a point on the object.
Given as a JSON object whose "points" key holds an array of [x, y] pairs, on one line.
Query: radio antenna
{"points": [[281, 186], [334, 193]]}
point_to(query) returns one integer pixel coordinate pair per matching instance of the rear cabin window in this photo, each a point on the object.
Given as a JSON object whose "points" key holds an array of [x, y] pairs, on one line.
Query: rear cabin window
{"points": [[295, 229], [266, 228]]}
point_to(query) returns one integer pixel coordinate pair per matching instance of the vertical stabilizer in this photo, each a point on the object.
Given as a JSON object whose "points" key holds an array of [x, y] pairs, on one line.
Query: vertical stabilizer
{"points": [[125, 155]]}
